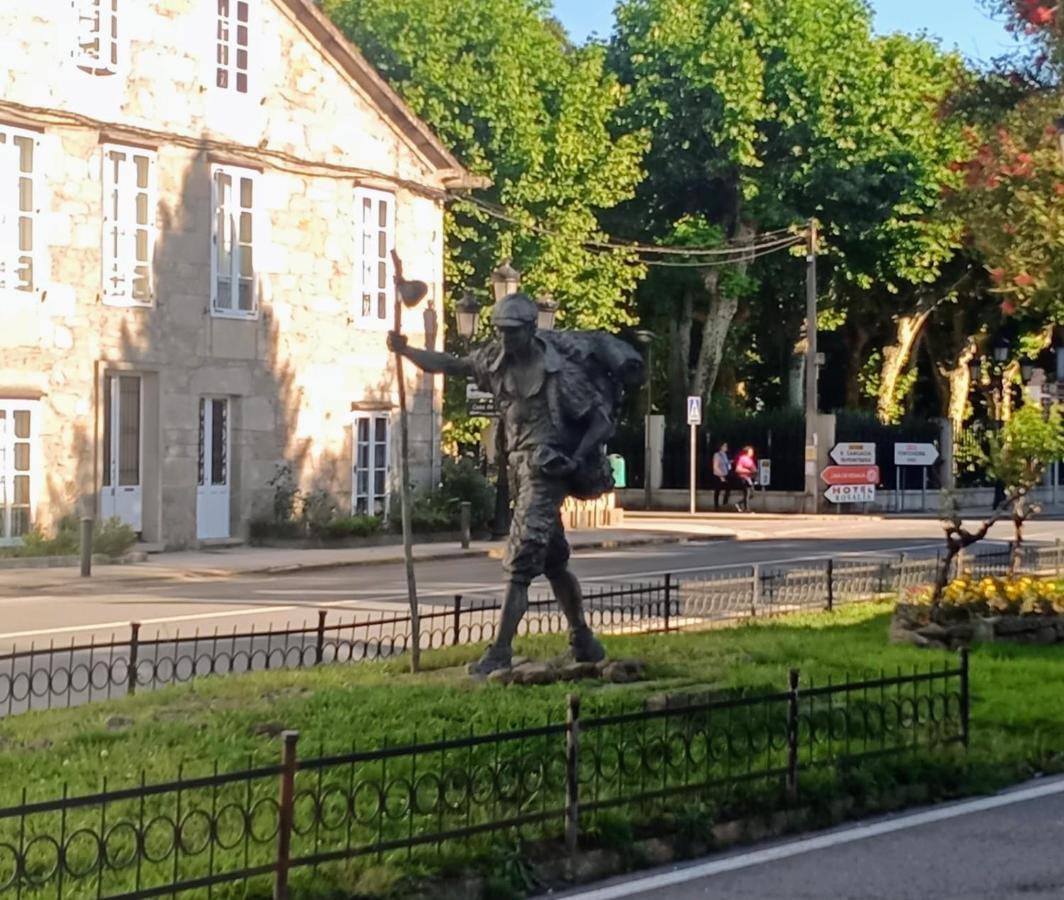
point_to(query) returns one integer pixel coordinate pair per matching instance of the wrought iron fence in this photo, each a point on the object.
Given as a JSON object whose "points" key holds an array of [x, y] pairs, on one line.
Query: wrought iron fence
{"points": [[77, 673], [230, 834]]}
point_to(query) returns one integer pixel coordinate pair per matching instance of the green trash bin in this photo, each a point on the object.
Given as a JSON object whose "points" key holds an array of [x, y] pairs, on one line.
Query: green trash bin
{"points": [[620, 473]]}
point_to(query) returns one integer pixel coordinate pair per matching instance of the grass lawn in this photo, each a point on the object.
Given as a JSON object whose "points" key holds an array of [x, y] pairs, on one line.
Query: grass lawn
{"points": [[1017, 711]]}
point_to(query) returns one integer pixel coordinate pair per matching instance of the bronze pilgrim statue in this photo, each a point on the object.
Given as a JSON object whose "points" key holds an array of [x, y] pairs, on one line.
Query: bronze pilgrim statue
{"points": [[558, 395]]}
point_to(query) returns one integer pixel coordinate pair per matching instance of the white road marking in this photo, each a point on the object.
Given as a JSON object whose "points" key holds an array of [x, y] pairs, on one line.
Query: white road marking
{"points": [[820, 842], [105, 625]]}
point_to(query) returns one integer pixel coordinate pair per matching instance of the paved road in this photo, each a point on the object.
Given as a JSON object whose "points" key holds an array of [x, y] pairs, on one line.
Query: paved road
{"points": [[1005, 847], [262, 601]]}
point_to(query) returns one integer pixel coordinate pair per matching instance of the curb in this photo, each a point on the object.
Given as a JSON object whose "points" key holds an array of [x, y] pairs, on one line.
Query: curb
{"points": [[473, 552]]}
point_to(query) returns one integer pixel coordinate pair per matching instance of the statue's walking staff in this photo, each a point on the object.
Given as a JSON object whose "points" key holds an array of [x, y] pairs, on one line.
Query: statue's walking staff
{"points": [[409, 294]]}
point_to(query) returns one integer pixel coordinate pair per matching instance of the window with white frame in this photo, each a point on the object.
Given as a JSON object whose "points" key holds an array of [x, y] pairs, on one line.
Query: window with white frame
{"points": [[19, 199], [128, 225], [369, 475], [232, 234], [96, 50], [233, 40], [18, 434], [375, 236]]}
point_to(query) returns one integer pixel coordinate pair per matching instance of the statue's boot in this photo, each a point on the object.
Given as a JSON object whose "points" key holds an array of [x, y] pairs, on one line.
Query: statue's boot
{"points": [[500, 654], [583, 643]]}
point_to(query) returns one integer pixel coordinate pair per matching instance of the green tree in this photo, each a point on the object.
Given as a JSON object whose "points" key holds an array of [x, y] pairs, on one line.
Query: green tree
{"points": [[764, 113]]}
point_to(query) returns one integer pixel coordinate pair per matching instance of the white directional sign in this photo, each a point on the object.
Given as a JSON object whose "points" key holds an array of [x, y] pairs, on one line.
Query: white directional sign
{"points": [[915, 454], [694, 410], [851, 493], [859, 454]]}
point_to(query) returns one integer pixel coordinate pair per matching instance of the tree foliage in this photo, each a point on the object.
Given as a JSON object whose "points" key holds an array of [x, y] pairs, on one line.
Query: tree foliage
{"points": [[769, 113]]}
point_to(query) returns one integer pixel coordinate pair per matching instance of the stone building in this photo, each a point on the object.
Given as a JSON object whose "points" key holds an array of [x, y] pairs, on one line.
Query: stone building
{"points": [[198, 200]]}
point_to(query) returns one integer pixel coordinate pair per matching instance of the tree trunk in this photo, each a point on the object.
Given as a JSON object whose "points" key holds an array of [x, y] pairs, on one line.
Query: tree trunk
{"points": [[856, 339], [796, 375], [680, 358], [718, 321], [1019, 516], [959, 380], [896, 360]]}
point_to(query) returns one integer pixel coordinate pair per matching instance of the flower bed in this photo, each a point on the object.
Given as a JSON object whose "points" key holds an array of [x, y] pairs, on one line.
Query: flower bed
{"points": [[1020, 608]]}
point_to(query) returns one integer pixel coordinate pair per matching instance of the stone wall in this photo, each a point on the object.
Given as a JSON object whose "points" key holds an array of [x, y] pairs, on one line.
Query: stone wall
{"points": [[945, 628], [293, 372]]}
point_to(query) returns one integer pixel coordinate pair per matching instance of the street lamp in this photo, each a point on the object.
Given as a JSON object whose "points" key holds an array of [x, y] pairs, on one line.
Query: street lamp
{"points": [[1000, 349], [646, 338], [548, 309], [467, 311], [505, 280]]}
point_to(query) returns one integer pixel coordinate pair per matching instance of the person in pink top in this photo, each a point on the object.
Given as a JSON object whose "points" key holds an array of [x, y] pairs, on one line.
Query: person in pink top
{"points": [[745, 471]]}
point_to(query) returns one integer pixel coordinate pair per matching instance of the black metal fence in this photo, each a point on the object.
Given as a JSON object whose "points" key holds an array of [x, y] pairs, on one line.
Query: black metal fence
{"points": [[78, 673], [238, 833]]}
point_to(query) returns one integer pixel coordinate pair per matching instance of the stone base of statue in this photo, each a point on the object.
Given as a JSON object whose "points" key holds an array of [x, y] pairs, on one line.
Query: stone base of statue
{"points": [[527, 671]]}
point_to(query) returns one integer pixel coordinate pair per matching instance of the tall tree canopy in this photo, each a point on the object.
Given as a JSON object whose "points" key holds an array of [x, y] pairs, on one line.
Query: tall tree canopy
{"points": [[765, 113], [501, 84]]}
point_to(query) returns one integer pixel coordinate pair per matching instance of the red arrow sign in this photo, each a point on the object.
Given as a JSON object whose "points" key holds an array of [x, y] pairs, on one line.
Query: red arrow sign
{"points": [[851, 475]]}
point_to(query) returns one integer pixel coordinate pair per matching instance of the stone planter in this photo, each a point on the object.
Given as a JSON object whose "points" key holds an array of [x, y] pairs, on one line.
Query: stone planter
{"points": [[950, 628]]}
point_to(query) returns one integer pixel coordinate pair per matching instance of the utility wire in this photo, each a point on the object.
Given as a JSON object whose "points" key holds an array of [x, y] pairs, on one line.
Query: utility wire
{"points": [[739, 250]]}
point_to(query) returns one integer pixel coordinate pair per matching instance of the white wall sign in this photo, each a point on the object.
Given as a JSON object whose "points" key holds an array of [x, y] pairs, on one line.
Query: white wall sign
{"points": [[850, 493], [915, 454], [858, 454]]}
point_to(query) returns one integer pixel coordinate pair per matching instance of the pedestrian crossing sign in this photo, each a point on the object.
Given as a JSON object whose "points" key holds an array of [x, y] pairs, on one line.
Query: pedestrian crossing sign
{"points": [[694, 410]]}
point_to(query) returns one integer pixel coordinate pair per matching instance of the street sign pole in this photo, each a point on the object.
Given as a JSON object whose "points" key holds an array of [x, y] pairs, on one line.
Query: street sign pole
{"points": [[694, 469], [923, 489], [694, 419], [811, 488]]}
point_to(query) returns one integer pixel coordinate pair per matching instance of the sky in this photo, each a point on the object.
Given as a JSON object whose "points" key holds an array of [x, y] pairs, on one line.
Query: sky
{"points": [[961, 24]]}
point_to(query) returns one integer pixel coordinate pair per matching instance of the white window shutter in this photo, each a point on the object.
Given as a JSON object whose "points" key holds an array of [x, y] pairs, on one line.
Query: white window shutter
{"points": [[9, 214]]}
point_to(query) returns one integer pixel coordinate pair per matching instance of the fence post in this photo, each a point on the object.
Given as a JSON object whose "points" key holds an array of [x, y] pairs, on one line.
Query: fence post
{"points": [[86, 546], [319, 648], [1057, 558], [668, 598], [457, 617], [965, 698], [572, 774], [134, 655], [285, 808], [465, 519], [901, 572], [792, 734], [830, 574], [755, 589]]}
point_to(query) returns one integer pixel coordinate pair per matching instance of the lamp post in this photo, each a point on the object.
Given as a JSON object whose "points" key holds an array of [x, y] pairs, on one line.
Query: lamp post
{"points": [[505, 280], [548, 309], [646, 338], [466, 313]]}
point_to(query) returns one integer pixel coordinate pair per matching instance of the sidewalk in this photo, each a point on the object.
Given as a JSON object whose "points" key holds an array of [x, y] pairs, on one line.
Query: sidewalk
{"points": [[207, 565]]}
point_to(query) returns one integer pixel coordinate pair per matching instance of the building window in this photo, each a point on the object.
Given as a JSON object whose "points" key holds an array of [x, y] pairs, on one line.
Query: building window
{"points": [[96, 50], [232, 234], [370, 482], [375, 215], [18, 209], [128, 225], [18, 432], [233, 35]]}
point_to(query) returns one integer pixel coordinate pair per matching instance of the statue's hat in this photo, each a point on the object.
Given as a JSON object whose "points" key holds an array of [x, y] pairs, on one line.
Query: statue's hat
{"points": [[515, 309]]}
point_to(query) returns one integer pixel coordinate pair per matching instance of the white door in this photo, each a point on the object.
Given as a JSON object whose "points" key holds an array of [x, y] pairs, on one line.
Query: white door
{"points": [[16, 469], [212, 492], [369, 475], [122, 494]]}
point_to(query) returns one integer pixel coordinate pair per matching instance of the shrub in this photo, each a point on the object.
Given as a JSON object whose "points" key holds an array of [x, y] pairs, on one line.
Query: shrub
{"points": [[113, 538], [352, 526], [994, 596]]}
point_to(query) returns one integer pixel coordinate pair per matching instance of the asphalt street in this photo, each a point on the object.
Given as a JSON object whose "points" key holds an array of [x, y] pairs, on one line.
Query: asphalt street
{"points": [[167, 608], [1004, 847]]}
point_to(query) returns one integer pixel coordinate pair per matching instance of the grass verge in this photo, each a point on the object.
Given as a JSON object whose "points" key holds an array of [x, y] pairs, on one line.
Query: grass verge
{"points": [[1017, 725]]}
